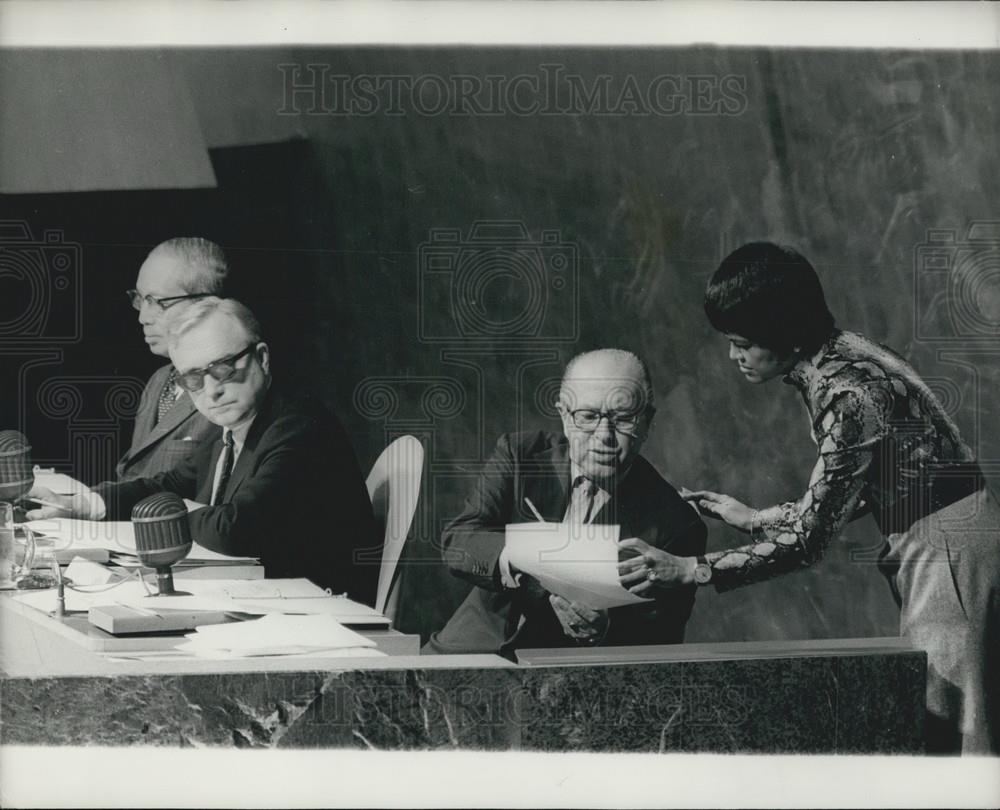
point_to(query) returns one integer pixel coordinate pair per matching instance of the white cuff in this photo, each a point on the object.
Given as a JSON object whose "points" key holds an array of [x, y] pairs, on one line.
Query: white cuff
{"points": [[506, 577], [97, 507]]}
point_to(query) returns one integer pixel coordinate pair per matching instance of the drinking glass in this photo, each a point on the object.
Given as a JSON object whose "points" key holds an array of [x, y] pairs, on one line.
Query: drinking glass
{"points": [[17, 549]]}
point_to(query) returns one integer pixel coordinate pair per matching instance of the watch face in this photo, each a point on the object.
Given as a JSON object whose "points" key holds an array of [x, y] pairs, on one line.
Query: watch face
{"points": [[702, 574]]}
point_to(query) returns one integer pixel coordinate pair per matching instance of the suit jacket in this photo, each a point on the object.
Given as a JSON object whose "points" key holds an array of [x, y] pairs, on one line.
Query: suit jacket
{"points": [[296, 498], [184, 433], [536, 465]]}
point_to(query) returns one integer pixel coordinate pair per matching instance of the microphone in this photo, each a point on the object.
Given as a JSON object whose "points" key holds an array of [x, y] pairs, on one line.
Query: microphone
{"points": [[162, 536], [17, 476]]}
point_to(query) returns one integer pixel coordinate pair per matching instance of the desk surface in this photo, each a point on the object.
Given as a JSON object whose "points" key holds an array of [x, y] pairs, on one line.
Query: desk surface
{"points": [[841, 696], [31, 647]]}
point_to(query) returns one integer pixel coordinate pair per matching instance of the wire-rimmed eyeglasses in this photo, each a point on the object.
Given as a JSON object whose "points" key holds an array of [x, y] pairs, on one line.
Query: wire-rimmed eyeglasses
{"points": [[589, 419]]}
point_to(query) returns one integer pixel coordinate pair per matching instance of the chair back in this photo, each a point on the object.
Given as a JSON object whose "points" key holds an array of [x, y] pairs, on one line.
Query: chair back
{"points": [[394, 489]]}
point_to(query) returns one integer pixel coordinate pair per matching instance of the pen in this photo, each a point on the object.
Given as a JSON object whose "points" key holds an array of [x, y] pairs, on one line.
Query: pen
{"points": [[534, 511], [45, 503]]}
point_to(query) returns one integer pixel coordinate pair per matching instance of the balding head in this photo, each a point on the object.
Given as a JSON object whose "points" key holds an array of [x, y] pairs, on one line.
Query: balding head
{"points": [[611, 364], [200, 265], [606, 405], [185, 266]]}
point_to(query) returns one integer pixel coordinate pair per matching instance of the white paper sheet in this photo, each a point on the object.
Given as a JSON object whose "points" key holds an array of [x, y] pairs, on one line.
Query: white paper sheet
{"points": [[114, 536], [576, 561], [85, 572], [231, 596], [274, 635], [58, 483]]}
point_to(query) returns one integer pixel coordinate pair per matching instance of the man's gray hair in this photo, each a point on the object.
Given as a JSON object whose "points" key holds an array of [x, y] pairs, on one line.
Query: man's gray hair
{"points": [[623, 359], [199, 311], [205, 265]]}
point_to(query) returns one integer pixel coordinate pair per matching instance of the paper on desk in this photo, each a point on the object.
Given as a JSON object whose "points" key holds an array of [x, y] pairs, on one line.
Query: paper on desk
{"points": [[175, 654], [231, 596], [85, 572], [274, 635], [58, 483], [114, 536], [576, 561]]}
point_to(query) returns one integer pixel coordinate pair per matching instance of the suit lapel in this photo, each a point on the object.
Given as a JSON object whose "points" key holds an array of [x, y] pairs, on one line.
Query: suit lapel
{"points": [[245, 463], [546, 483], [174, 418], [207, 475], [617, 508]]}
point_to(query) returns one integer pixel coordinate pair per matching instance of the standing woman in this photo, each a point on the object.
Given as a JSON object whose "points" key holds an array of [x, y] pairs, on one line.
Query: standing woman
{"points": [[886, 446]]}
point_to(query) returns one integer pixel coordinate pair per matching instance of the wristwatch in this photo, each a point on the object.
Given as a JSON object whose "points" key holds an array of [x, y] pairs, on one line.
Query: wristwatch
{"points": [[702, 571]]}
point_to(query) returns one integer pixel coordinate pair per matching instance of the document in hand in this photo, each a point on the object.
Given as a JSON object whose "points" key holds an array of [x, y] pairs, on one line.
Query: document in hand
{"points": [[276, 634], [576, 561]]}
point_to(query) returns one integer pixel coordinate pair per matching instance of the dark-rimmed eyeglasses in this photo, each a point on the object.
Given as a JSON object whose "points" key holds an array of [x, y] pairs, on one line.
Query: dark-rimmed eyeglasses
{"points": [[589, 420], [137, 299], [220, 370]]}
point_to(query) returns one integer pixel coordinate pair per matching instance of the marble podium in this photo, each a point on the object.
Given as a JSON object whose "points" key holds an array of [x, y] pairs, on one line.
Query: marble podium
{"points": [[850, 696]]}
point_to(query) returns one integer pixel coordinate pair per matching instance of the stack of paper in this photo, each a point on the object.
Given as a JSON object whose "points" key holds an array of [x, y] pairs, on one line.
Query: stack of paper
{"points": [[265, 596], [58, 483], [576, 561], [278, 635], [100, 540]]}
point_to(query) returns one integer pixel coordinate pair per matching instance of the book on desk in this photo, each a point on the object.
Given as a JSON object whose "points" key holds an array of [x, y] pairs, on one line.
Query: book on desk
{"points": [[114, 542]]}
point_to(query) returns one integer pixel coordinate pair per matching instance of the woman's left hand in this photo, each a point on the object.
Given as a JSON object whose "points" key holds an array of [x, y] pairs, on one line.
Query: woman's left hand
{"points": [[724, 507], [648, 567]]}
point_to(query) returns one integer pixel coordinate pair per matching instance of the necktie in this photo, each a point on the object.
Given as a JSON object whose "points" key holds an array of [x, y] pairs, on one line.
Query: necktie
{"points": [[168, 396], [584, 491], [227, 467]]}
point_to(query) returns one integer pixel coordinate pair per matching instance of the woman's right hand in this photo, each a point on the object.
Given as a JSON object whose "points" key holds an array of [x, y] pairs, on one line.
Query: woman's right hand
{"points": [[723, 507]]}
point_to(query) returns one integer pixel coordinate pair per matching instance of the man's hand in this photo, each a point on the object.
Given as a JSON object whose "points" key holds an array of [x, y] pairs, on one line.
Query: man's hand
{"points": [[644, 568], [579, 622], [77, 505]]}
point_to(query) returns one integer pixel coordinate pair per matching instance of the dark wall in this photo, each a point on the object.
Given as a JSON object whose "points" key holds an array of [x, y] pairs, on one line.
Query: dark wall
{"points": [[851, 156]]}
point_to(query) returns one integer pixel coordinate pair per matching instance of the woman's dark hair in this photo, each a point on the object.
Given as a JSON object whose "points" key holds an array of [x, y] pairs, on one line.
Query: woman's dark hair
{"points": [[771, 295]]}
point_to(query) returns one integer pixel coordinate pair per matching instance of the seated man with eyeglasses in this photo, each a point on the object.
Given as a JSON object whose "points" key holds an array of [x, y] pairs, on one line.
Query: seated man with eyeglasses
{"points": [[281, 481], [592, 472], [168, 428]]}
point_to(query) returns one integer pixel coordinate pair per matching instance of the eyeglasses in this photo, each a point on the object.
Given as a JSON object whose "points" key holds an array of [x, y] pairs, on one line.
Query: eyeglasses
{"points": [[220, 370], [137, 300], [589, 419]]}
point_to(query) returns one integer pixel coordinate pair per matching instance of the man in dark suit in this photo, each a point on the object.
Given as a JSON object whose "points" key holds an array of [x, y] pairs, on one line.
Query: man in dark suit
{"points": [[591, 473], [280, 482], [168, 428]]}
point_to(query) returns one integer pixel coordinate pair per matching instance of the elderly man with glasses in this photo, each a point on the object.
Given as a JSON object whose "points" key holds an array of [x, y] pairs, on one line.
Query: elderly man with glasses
{"points": [[280, 482], [591, 473], [168, 428]]}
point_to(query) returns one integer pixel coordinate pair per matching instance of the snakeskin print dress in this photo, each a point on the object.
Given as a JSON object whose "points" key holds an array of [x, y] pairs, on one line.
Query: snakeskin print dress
{"points": [[886, 446]]}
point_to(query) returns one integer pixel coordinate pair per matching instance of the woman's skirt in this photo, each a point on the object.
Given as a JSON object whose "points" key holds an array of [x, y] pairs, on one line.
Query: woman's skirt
{"points": [[948, 583]]}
